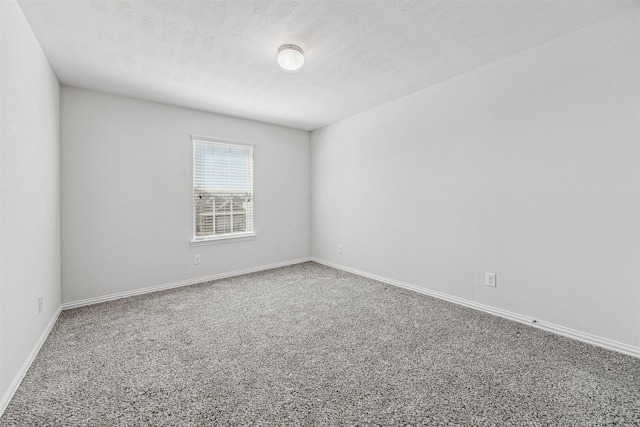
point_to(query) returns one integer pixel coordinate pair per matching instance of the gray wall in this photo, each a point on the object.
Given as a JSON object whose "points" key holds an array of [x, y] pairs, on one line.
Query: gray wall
{"points": [[527, 167], [29, 194], [127, 195]]}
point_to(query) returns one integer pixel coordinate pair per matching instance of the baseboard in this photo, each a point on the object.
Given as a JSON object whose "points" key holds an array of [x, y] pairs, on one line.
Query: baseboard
{"points": [[119, 295], [557, 329], [8, 395], [536, 323]]}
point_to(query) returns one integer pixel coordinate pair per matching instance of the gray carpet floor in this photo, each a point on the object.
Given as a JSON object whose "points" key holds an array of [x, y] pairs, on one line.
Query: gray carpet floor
{"points": [[310, 345]]}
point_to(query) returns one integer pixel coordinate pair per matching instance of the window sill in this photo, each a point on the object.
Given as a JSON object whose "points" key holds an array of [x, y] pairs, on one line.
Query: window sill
{"points": [[224, 239]]}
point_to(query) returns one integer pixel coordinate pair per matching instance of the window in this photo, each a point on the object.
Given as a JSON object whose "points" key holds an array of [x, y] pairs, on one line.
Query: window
{"points": [[222, 189]]}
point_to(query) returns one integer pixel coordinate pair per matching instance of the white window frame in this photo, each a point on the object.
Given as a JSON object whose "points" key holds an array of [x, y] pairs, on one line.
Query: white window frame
{"points": [[224, 238]]}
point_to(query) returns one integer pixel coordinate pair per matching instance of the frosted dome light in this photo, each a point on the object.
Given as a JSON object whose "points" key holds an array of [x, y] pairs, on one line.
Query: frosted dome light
{"points": [[290, 58]]}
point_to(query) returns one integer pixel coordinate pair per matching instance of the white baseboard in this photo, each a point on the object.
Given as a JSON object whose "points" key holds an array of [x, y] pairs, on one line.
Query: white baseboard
{"points": [[536, 323], [4, 402], [111, 297], [557, 329]]}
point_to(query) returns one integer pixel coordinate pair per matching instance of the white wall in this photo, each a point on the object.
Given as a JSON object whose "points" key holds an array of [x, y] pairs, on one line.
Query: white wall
{"points": [[528, 167], [127, 195], [29, 194]]}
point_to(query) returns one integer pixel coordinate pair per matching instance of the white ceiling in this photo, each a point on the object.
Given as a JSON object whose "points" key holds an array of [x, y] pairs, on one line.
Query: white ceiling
{"points": [[219, 56]]}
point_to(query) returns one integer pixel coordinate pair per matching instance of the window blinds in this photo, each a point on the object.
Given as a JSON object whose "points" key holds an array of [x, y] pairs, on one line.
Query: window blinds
{"points": [[222, 188]]}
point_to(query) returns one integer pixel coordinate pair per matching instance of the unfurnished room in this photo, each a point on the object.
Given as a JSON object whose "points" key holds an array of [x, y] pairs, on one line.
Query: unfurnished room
{"points": [[320, 212]]}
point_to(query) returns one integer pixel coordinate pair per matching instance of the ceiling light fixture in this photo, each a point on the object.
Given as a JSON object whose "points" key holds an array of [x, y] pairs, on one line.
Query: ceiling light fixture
{"points": [[290, 58]]}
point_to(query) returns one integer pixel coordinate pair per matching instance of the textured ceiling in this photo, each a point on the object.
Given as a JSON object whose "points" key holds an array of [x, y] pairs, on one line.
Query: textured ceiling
{"points": [[219, 56]]}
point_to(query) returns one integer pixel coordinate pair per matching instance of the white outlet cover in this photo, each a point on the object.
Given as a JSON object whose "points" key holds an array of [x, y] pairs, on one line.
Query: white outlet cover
{"points": [[490, 279]]}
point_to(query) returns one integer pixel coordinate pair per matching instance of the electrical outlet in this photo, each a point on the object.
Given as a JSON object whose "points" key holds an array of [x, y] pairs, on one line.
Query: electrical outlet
{"points": [[490, 279], [339, 249], [40, 304], [196, 259]]}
